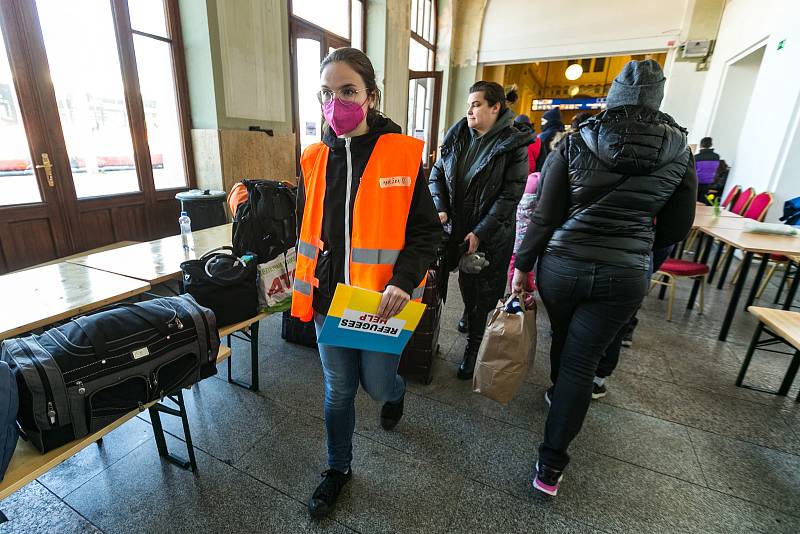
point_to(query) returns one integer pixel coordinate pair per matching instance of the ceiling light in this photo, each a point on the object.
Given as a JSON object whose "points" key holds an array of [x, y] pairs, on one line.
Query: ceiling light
{"points": [[574, 71], [574, 90]]}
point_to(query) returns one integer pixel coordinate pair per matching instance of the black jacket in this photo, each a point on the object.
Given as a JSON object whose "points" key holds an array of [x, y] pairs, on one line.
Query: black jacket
{"points": [[706, 154], [621, 186], [489, 204], [423, 229], [549, 131]]}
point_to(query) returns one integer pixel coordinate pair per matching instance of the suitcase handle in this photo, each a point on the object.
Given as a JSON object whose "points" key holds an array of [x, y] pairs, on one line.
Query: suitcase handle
{"points": [[98, 341]]}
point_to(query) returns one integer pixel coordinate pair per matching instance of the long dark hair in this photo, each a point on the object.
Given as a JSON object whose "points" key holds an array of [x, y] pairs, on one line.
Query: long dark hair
{"points": [[359, 62]]}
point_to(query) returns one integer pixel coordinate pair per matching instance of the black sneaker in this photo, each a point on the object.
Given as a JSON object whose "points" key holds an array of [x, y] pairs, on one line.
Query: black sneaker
{"points": [[391, 413], [598, 392], [324, 497], [463, 323], [548, 395], [546, 479], [627, 338]]}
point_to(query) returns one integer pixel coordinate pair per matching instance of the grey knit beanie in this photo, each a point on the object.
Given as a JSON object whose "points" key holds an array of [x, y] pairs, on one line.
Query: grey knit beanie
{"points": [[640, 83]]}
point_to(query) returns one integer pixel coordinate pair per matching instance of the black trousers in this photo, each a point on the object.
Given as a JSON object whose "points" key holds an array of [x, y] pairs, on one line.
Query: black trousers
{"points": [[481, 291], [588, 304], [611, 358]]}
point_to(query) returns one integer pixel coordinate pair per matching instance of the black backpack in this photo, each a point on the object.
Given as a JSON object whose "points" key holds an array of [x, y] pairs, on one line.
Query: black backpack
{"points": [[266, 223]]}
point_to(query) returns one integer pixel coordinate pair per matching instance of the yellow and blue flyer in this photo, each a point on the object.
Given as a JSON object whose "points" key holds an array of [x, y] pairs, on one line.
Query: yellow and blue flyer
{"points": [[352, 322]]}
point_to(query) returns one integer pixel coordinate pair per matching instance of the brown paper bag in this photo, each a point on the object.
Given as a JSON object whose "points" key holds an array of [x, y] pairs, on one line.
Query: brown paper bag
{"points": [[505, 353]]}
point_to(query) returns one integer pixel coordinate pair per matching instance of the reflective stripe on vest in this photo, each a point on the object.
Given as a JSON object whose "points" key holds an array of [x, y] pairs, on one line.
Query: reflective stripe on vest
{"points": [[374, 256], [378, 224], [307, 249]]}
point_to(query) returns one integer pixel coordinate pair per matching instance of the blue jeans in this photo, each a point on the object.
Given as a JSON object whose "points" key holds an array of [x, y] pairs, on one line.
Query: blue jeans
{"points": [[343, 369], [587, 303]]}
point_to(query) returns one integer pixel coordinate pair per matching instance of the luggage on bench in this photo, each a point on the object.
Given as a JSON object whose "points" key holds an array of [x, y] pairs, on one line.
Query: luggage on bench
{"points": [[77, 378], [418, 356], [296, 331]]}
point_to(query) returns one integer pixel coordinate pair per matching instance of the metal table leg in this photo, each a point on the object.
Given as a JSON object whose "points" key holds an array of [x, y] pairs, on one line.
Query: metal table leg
{"points": [[714, 265], [737, 292], [757, 282], [783, 282], [792, 289], [725, 268]]}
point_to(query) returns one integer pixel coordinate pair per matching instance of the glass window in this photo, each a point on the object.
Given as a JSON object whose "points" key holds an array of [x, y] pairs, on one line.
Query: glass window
{"points": [[357, 25], [148, 16], [586, 64], [419, 56], [332, 15], [17, 179], [414, 16], [162, 116], [85, 70], [309, 114], [599, 64]]}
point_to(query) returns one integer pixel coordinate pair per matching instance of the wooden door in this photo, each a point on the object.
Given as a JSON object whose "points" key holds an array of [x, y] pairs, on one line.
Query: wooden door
{"points": [[424, 103], [110, 106], [33, 227]]}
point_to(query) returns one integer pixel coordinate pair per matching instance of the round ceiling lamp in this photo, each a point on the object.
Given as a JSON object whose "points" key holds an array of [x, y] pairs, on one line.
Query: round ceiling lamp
{"points": [[574, 71], [574, 90]]}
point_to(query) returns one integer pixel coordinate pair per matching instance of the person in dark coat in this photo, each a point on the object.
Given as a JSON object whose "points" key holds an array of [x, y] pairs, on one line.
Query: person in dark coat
{"points": [[712, 171], [621, 186], [476, 185], [551, 125], [523, 123]]}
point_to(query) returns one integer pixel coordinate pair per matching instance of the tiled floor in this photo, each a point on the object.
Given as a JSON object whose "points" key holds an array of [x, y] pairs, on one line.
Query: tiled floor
{"points": [[674, 447]]}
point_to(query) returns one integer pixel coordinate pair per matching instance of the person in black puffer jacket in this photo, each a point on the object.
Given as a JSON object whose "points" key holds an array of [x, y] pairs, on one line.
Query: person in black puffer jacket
{"points": [[621, 186], [476, 185]]}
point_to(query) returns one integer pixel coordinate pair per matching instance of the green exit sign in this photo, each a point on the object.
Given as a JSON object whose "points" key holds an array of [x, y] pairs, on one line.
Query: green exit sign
{"points": [[781, 44]]}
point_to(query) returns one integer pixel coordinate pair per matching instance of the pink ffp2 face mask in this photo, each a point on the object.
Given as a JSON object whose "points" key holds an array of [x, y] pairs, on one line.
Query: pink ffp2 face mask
{"points": [[343, 116]]}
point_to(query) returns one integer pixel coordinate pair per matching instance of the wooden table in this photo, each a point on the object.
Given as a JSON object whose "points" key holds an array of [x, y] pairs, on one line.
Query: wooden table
{"points": [[733, 221], [750, 244], [779, 326], [708, 210], [43, 295], [156, 261], [28, 463]]}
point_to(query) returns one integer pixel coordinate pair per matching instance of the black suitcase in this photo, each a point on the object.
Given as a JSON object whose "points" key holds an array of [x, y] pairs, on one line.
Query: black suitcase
{"points": [[296, 331], [79, 377], [418, 356]]}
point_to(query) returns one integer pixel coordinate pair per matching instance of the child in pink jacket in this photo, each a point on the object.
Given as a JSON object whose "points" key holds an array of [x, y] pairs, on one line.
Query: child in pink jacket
{"points": [[524, 212]]}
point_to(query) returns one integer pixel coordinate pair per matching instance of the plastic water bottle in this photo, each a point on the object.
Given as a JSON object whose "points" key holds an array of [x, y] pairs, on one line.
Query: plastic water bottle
{"points": [[186, 232]]}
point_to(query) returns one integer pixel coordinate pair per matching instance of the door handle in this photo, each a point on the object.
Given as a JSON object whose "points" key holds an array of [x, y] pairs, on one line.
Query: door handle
{"points": [[48, 169]]}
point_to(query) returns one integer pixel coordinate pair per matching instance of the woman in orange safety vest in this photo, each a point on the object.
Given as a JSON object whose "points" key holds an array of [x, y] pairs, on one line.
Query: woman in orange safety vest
{"points": [[366, 219]]}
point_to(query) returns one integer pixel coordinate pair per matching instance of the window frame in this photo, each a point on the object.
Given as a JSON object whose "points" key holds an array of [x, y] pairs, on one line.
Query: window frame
{"points": [[433, 24], [137, 118], [300, 28]]}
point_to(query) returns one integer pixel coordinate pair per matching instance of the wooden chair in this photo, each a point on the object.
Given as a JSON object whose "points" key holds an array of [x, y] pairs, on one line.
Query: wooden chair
{"points": [[756, 210], [673, 269], [731, 198], [743, 201]]}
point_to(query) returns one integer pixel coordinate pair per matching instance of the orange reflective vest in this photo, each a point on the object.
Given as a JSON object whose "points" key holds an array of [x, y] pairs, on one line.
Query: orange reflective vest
{"points": [[377, 234]]}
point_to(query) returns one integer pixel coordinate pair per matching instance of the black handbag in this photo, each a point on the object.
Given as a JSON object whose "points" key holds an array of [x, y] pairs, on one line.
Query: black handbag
{"points": [[77, 378], [225, 283]]}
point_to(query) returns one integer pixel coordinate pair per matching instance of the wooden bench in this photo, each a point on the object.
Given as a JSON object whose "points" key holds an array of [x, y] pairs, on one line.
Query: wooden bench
{"points": [[28, 463], [774, 327], [248, 331]]}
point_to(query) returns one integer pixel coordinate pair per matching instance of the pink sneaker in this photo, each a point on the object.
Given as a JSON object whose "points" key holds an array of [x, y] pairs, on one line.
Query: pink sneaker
{"points": [[546, 479]]}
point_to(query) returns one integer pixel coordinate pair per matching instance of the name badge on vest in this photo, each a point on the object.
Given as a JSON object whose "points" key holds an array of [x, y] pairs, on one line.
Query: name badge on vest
{"points": [[395, 181]]}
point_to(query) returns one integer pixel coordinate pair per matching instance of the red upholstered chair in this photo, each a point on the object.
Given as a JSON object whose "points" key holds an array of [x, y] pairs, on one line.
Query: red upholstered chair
{"points": [[674, 268], [759, 207], [743, 201], [731, 198]]}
